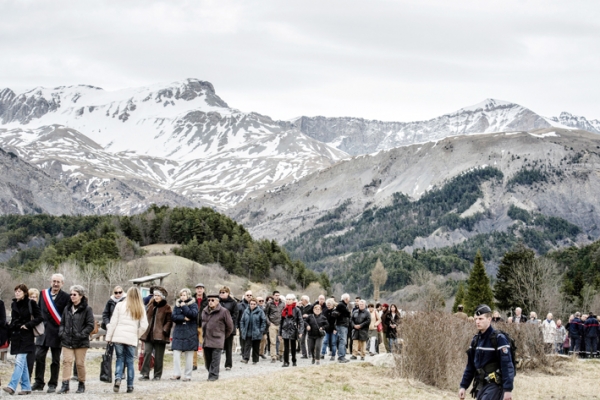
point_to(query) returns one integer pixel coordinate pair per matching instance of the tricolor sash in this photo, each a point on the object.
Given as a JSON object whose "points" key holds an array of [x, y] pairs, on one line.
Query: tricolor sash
{"points": [[50, 306]]}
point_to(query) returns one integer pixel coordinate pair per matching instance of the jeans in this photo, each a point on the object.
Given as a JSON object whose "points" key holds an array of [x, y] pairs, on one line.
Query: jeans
{"points": [[342, 332], [124, 357], [330, 341], [20, 374], [392, 344]]}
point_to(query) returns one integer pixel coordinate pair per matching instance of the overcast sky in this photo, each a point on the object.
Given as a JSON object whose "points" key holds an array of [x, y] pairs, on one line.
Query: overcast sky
{"points": [[388, 60]]}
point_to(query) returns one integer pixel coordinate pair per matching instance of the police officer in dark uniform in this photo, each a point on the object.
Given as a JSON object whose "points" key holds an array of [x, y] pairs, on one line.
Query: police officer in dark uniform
{"points": [[576, 333], [491, 366]]}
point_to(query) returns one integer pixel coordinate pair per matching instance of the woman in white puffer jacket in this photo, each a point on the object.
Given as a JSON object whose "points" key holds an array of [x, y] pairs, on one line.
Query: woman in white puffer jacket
{"points": [[127, 324]]}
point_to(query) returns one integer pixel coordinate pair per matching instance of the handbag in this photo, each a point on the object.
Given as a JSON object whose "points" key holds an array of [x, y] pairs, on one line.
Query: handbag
{"points": [[322, 333], [380, 327], [106, 364], [141, 361], [40, 328]]}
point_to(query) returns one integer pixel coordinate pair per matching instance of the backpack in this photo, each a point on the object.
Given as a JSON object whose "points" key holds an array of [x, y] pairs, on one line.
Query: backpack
{"points": [[494, 340]]}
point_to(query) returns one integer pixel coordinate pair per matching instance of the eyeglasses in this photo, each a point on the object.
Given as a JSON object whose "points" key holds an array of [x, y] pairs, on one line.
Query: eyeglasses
{"points": [[74, 294], [212, 300], [222, 292], [248, 295], [261, 301], [121, 292]]}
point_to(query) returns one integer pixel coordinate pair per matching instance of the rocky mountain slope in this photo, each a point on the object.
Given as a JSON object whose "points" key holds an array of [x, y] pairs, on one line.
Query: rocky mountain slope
{"points": [[369, 182], [25, 189]]}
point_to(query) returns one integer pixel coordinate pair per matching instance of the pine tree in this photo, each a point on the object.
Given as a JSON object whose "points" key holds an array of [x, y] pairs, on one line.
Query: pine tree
{"points": [[479, 290], [459, 298], [504, 288]]}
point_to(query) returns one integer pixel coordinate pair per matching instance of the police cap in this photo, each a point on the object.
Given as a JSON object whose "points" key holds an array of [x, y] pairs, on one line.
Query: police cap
{"points": [[482, 309]]}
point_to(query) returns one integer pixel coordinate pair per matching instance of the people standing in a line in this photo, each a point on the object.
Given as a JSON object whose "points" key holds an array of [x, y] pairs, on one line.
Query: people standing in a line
{"points": [[230, 305], [342, 315], [127, 324], [252, 326], [485, 358], [34, 295], [25, 315], [217, 325], [273, 313], [265, 336], [185, 334], [373, 325], [157, 335], [316, 329], [201, 302], [75, 328], [392, 322], [549, 333], [330, 340], [590, 332], [360, 321], [291, 329], [306, 308], [52, 305]]}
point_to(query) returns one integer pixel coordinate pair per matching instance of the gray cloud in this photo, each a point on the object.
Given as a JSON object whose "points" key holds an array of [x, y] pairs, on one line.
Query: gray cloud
{"points": [[390, 60]]}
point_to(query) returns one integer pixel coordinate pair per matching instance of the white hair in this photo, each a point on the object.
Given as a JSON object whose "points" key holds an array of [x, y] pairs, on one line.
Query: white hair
{"points": [[60, 276], [290, 296], [305, 297], [362, 302], [345, 296], [329, 302]]}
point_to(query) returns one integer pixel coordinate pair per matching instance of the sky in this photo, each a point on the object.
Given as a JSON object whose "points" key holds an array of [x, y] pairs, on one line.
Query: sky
{"points": [[386, 60]]}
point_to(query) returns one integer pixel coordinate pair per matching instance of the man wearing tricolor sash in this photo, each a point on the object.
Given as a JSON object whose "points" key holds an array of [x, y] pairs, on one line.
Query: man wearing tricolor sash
{"points": [[52, 303]]}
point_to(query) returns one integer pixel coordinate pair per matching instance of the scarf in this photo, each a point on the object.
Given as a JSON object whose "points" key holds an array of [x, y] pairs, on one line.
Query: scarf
{"points": [[288, 310]]}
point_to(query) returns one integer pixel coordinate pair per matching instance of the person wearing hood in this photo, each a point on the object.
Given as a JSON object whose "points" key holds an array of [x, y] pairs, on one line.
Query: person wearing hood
{"points": [[230, 305], [185, 334], [252, 326], [157, 335], [25, 315], [217, 325], [75, 327], [127, 324]]}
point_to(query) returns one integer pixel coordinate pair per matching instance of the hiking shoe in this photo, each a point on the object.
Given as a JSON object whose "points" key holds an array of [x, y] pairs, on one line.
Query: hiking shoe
{"points": [[117, 385], [343, 360], [332, 358], [144, 378], [38, 386], [353, 358]]}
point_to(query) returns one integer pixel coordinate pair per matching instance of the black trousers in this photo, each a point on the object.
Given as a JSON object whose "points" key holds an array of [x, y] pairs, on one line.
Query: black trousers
{"points": [[229, 352], [491, 391], [159, 356], [40, 364], [212, 360], [591, 346], [251, 345], [287, 344], [314, 347], [30, 361], [303, 348]]}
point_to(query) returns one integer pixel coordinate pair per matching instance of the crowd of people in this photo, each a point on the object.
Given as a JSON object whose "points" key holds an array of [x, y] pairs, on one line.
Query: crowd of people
{"points": [[580, 336], [272, 327]]}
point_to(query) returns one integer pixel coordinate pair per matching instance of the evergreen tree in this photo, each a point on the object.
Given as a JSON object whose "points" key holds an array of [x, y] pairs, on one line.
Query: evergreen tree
{"points": [[459, 298], [504, 288], [479, 290]]}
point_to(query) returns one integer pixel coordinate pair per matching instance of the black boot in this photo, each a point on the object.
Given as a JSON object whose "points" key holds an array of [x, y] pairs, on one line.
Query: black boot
{"points": [[64, 389], [81, 387]]}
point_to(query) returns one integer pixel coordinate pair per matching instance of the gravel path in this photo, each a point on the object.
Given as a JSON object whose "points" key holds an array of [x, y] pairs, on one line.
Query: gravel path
{"points": [[96, 389]]}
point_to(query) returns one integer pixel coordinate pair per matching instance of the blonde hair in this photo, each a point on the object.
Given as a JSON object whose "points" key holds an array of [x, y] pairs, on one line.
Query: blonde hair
{"points": [[33, 291], [133, 303]]}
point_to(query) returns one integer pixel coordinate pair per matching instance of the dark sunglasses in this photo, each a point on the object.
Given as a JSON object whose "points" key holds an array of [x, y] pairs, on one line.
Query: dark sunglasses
{"points": [[222, 292], [74, 294], [121, 292], [261, 301], [211, 300]]}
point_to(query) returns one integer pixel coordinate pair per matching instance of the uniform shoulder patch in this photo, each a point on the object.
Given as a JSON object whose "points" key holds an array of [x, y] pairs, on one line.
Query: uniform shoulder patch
{"points": [[505, 350]]}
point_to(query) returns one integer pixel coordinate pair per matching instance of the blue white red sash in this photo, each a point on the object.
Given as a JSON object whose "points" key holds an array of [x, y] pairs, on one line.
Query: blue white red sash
{"points": [[50, 306]]}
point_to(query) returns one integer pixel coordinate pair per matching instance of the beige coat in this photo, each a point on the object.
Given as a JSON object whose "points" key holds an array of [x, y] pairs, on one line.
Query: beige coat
{"points": [[375, 320], [123, 328]]}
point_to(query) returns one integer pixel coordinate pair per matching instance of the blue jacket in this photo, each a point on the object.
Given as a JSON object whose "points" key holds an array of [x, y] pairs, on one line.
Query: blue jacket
{"points": [[185, 334], [253, 324], [484, 354], [575, 328], [590, 327]]}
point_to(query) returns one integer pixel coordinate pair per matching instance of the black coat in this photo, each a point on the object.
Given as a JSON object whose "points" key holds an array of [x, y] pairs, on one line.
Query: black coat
{"points": [[231, 305], [315, 322], [109, 308], [292, 326], [392, 333], [185, 333], [201, 306], [3, 324], [327, 313], [51, 338], [342, 314], [362, 318], [75, 327], [22, 340], [307, 309]]}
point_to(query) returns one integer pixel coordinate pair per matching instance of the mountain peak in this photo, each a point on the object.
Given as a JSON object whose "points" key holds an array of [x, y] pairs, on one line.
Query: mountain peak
{"points": [[489, 104]]}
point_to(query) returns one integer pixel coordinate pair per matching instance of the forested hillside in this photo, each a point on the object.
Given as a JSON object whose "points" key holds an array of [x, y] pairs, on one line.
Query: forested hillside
{"points": [[348, 247], [205, 236]]}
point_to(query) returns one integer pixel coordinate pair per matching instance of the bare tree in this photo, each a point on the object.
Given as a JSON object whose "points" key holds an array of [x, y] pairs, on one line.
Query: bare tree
{"points": [[537, 285], [378, 276]]}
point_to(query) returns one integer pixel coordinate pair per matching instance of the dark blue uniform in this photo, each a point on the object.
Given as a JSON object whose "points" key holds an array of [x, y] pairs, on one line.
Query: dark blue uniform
{"points": [[575, 333], [484, 354], [590, 329]]}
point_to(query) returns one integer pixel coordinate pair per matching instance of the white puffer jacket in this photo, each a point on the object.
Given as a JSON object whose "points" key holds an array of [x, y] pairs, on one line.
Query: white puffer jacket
{"points": [[123, 328]]}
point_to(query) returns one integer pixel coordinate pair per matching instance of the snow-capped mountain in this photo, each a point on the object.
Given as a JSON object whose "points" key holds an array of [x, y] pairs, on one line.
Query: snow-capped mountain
{"points": [[577, 122], [360, 136]]}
